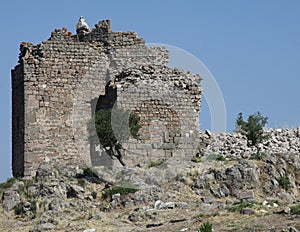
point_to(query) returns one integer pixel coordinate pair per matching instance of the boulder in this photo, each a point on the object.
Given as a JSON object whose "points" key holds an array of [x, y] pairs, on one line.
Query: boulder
{"points": [[248, 211], [75, 191], [247, 196], [10, 199], [44, 171]]}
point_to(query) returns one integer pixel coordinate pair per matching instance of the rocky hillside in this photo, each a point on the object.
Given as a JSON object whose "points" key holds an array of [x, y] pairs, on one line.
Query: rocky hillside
{"points": [[260, 193]]}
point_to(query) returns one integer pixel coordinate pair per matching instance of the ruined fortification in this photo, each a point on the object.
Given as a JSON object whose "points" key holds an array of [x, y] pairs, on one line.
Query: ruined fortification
{"points": [[60, 83]]}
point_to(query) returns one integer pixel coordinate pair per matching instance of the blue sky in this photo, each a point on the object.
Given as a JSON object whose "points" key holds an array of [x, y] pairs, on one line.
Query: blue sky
{"points": [[252, 48]]}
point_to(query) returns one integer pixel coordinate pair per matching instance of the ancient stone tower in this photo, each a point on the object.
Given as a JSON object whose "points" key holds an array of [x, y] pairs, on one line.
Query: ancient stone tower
{"points": [[60, 83]]}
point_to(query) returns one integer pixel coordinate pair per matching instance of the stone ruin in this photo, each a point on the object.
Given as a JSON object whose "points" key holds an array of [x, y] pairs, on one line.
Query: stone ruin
{"points": [[60, 83]]}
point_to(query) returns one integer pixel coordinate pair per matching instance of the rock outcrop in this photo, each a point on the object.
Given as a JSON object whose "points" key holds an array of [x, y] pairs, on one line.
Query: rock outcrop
{"points": [[143, 194]]}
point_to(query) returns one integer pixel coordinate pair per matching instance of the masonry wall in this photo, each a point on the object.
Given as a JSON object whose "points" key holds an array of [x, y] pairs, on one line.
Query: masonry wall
{"points": [[168, 102], [56, 88]]}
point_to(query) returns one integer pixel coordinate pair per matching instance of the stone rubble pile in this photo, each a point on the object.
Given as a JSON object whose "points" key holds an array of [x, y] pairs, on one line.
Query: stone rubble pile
{"points": [[234, 145]]}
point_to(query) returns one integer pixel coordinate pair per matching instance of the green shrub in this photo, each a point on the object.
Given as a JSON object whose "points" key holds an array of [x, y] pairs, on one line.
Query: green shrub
{"points": [[156, 163], [198, 216], [196, 159], [220, 158], [114, 128], [123, 190], [216, 157], [81, 182], [205, 227], [25, 189], [252, 128], [106, 207], [33, 208], [94, 194], [284, 182], [295, 209], [19, 209], [88, 172], [240, 206], [120, 119], [8, 183]]}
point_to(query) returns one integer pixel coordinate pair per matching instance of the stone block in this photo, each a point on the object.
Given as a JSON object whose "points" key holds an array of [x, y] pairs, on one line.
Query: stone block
{"points": [[248, 211], [144, 146], [156, 153], [168, 146], [247, 196], [30, 117]]}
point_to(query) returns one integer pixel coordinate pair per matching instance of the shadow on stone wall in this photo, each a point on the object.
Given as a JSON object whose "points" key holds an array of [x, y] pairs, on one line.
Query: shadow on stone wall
{"points": [[99, 156]]}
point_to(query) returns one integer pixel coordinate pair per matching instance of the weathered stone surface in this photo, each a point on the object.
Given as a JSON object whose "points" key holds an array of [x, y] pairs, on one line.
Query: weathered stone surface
{"points": [[10, 199], [56, 204], [248, 211], [247, 196], [44, 171], [234, 145], [74, 191], [293, 229], [58, 83], [154, 203], [182, 205], [90, 230], [44, 227]]}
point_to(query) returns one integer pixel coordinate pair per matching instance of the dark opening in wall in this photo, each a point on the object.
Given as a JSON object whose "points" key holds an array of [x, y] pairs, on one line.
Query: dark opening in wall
{"points": [[105, 102], [108, 100], [18, 122]]}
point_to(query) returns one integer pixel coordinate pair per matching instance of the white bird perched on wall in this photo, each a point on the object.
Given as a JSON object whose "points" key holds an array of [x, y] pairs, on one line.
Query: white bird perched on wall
{"points": [[82, 25]]}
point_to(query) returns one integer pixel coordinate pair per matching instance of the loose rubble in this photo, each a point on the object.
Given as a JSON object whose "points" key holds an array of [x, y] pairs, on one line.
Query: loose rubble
{"points": [[234, 145]]}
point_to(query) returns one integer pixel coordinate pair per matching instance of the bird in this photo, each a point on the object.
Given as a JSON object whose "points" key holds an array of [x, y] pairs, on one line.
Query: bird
{"points": [[82, 26]]}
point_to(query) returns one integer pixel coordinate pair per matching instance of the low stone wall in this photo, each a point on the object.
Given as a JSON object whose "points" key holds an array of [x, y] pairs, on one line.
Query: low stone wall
{"points": [[235, 145]]}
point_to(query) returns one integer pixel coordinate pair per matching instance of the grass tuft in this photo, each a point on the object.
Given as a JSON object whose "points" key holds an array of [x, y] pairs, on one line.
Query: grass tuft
{"points": [[122, 190]]}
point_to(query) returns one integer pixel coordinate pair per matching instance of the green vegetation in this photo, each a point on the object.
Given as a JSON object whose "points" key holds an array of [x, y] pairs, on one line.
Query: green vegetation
{"points": [[252, 128], [240, 206], [32, 209], [205, 227], [217, 157], [8, 183], [94, 194], [114, 128], [200, 215], [156, 163], [89, 175], [206, 215], [220, 158], [295, 209], [196, 159], [24, 189], [81, 182], [19, 209], [284, 182], [122, 190], [257, 156], [88, 172]]}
